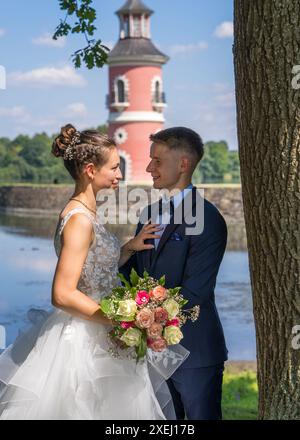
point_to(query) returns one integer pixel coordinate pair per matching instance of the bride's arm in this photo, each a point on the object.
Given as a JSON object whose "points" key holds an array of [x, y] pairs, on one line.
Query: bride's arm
{"points": [[77, 237], [137, 243]]}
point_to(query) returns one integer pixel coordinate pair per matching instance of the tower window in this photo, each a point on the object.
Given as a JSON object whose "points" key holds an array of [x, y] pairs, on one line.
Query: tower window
{"points": [[123, 168], [137, 26], [157, 92], [121, 91], [126, 26]]}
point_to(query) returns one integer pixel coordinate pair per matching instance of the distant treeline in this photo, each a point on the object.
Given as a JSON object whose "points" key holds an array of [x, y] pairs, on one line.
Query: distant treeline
{"points": [[29, 159]]}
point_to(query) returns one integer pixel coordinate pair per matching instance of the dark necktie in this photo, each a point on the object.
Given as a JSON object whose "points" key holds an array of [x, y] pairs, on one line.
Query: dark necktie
{"points": [[164, 208]]}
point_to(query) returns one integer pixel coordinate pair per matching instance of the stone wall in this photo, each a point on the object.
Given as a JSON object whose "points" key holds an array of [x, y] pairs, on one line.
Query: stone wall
{"points": [[35, 198], [51, 199]]}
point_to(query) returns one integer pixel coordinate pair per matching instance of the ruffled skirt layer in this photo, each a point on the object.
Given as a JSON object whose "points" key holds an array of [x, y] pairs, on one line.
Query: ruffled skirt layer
{"points": [[62, 369]]}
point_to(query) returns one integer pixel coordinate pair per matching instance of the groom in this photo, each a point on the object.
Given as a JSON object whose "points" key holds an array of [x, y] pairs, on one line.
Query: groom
{"points": [[192, 262]]}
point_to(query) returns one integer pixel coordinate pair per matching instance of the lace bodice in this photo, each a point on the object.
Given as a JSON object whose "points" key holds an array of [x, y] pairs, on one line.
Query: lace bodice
{"points": [[99, 273]]}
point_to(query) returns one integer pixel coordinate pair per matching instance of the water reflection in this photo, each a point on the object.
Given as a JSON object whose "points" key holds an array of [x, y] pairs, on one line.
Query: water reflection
{"points": [[27, 265]]}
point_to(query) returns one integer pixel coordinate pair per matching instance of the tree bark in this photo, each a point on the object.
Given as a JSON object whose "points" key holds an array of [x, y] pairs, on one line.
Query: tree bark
{"points": [[267, 46]]}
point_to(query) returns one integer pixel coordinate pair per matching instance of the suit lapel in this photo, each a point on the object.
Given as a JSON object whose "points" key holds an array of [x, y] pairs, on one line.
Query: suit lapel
{"points": [[147, 256], [166, 234]]}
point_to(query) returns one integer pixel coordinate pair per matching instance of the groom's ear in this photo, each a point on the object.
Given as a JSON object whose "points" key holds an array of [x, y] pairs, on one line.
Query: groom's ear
{"points": [[185, 164]]}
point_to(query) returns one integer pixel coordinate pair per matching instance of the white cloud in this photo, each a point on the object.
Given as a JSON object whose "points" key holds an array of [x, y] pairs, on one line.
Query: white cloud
{"points": [[212, 113], [221, 87], [2, 32], [53, 123], [76, 109], [179, 49], [48, 77], [18, 113], [224, 30], [215, 123], [226, 99], [47, 40]]}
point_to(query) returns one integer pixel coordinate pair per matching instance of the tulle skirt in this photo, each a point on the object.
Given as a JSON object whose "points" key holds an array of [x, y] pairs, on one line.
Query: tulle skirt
{"points": [[61, 368]]}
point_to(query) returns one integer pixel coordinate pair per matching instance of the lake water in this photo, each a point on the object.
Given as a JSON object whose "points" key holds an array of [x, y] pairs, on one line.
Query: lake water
{"points": [[27, 264]]}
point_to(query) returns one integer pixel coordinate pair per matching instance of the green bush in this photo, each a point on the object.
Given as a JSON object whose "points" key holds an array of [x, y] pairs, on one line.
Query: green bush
{"points": [[29, 160], [219, 164]]}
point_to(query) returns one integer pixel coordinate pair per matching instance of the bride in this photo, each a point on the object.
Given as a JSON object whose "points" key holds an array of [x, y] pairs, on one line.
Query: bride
{"points": [[62, 367]]}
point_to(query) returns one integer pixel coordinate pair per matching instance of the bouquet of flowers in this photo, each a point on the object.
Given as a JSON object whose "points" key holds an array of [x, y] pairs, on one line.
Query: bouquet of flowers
{"points": [[147, 315]]}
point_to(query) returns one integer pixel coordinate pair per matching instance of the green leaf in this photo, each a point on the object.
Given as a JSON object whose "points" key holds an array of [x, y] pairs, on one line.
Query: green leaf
{"points": [[141, 349], [77, 61], [106, 306], [76, 29], [124, 281], [119, 292], [146, 275], [175, 291], [133, 292], [162, 280], [134, 278]]}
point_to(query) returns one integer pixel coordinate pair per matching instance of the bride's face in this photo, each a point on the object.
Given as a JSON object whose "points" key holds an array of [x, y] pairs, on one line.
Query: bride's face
{"points": [[109, 175]]}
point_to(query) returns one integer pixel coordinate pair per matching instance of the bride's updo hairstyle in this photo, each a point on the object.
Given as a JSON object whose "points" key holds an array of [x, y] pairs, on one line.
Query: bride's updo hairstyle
{"points": [[80, 148]]}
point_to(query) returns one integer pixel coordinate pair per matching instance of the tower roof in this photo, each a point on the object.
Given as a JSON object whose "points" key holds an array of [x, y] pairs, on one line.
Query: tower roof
{"points": [[140, 49], [134, 6]]}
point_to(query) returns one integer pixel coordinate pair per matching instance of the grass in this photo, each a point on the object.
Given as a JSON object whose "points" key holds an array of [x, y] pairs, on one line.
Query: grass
{"points": [[240, 396]]}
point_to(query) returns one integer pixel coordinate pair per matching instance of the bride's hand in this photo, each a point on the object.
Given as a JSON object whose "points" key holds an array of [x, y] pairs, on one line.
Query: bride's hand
{"points": [[149, 231]]}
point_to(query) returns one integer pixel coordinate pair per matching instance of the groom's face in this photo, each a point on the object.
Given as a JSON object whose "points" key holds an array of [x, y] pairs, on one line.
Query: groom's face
{"points": [[164, 166]]}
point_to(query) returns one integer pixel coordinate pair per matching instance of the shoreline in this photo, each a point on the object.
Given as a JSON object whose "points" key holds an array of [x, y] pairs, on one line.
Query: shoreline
{"points": [[48, 201], [235, 367]]}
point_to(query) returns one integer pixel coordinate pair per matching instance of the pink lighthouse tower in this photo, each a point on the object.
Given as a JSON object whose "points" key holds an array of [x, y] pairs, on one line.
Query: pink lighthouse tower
{"points": [[136, 97]]}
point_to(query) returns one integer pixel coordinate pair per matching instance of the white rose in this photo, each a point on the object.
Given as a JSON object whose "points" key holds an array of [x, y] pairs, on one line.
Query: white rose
{"points": [[127, 309], [172, 307]]}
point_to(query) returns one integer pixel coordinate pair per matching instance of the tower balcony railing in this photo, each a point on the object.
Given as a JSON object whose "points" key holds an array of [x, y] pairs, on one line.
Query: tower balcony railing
{"points": [[112, 102], [159, 101]]}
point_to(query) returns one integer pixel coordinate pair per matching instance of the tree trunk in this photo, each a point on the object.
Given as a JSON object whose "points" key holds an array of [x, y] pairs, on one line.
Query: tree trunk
{"points": [[267, 46]]}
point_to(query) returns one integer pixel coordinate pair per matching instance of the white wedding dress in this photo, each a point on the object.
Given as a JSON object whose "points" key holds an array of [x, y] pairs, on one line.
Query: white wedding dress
{"points": [[61, 368]]}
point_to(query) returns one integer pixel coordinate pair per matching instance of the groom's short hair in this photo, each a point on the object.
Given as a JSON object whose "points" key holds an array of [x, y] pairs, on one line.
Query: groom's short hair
{"points": [[181, 139]]}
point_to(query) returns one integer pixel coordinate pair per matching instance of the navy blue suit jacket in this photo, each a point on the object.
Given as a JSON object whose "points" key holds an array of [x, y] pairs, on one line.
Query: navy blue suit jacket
{"points": [[192, 262]]}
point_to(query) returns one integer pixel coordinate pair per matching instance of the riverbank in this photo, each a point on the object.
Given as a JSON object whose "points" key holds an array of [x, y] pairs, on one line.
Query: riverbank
{"points": [[48, 200]]}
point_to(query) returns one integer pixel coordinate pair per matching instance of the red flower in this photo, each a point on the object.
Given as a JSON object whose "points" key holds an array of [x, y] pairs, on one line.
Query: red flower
{"points": [[127, 325], [142, 297], [159, 344], [175, 322], [161, 315]]}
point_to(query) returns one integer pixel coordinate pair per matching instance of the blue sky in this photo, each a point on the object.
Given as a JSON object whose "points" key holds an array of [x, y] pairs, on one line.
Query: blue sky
{"points": [[44, 91]]}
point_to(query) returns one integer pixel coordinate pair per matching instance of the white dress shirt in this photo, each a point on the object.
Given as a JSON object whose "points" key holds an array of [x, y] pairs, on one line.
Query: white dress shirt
{"points": [[177, 199]]}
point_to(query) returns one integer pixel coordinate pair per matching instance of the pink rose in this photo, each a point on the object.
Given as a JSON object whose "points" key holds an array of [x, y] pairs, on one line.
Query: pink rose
{"points": [[127, 325], [145, 318], [155, 331], [159, 293], [159, 344], [142, 298], [175, 322], [161, 315]]}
